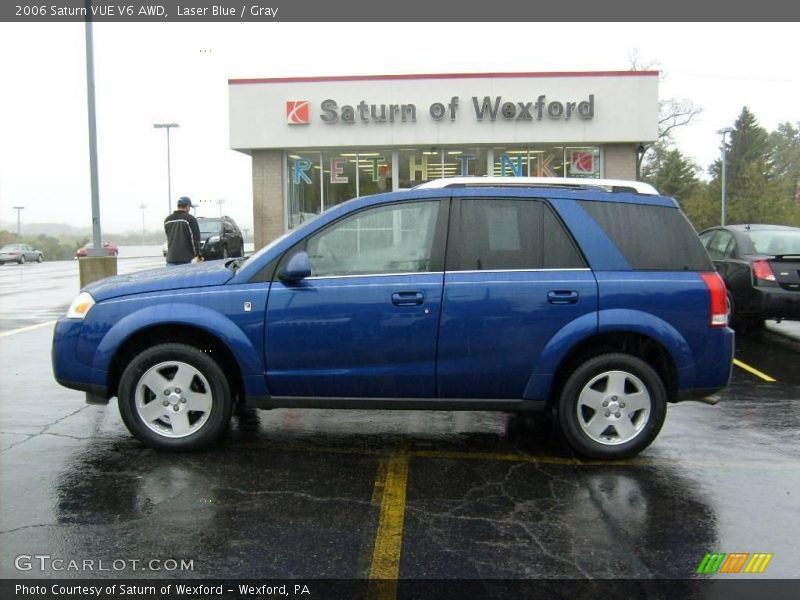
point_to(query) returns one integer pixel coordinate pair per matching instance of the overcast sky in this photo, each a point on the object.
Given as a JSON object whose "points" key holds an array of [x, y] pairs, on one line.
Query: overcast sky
{"points": [[173, 72]]}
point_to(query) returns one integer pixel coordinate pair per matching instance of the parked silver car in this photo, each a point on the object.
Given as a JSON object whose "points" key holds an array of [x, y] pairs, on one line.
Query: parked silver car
{"points": [[19, 253]]}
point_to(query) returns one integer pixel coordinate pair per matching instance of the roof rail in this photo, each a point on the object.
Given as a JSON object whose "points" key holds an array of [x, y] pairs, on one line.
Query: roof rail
{"points": [[608, 185]]}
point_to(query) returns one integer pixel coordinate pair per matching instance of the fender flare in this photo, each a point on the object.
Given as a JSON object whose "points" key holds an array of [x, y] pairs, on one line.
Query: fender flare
{"points": [[609, 321], [198, 317]]}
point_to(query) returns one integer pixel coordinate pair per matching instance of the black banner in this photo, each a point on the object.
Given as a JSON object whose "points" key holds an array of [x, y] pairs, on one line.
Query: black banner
{"points": [[414, 589]]}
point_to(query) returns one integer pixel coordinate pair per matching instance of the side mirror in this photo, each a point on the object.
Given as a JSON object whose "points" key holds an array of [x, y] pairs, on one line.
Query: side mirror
{"points": [[298, 267]]}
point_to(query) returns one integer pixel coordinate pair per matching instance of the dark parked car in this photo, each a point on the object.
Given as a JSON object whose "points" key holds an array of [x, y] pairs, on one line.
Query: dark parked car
{"points": [[110, 248], [19, 253], [220, 238], [590, 299], [760, 265]]}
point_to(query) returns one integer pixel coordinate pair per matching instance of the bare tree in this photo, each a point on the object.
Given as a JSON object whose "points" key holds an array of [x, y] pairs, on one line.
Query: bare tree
{"points": [[672, 113]]}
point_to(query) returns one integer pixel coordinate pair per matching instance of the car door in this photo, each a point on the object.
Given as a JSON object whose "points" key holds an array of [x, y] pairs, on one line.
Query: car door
{"points": [[232, 238], [513, 279], [364, 324], [723, 249]]}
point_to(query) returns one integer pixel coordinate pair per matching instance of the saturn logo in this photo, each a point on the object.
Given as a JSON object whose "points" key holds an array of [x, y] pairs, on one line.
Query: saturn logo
{"points": [[297, 112]]}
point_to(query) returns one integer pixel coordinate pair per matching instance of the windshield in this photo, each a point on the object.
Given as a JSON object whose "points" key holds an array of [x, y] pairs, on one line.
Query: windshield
{"points": [[210, 226], [776, 242]]}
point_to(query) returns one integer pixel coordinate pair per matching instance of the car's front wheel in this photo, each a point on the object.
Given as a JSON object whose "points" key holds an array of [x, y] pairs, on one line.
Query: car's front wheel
{"points": [[39, 258], [612, 406], [175, 397]]}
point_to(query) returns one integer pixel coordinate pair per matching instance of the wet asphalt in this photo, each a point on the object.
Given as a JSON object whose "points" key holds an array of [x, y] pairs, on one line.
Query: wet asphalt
{"points": [[309, 493]]}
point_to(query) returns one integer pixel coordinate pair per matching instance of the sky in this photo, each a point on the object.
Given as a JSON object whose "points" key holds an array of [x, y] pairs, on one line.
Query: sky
{"points": [[177, 73]]}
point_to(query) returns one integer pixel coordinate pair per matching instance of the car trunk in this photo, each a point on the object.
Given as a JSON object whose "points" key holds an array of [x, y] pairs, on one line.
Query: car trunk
{"points": [[787, 271]]}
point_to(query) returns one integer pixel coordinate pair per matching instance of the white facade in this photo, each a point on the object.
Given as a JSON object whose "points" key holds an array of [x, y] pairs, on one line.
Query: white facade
{"points": [[625, 109]]}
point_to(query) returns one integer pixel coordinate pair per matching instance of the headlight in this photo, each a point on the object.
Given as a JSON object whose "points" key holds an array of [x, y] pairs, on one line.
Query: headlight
{"points": [[213, 239], [80, 306]]}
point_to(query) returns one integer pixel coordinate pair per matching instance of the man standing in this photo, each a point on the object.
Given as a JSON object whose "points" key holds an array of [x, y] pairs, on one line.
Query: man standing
{"points": [[183, 234]]}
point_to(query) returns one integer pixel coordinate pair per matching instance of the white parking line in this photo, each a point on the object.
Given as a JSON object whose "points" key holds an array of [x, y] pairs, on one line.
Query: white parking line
{"points": [[24, 329]]}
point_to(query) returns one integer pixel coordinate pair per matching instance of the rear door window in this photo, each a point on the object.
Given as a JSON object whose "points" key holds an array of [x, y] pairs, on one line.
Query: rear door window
{"points": [[720, 245], [509, 234]]}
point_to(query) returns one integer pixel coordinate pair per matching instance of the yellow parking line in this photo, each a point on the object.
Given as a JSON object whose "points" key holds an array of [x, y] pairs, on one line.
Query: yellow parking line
{"points": [[389, 539], [24, 329], [752, 370]]}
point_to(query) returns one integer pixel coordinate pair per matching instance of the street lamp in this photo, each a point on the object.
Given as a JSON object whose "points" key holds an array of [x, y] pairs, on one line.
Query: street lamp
{"points": [[18, 209], [142, 207], [220, 202], [167, 126], [723, 132]]}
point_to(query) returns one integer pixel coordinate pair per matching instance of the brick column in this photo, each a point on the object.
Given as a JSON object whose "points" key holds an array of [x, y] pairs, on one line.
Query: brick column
{"points": [[268, 205], [619, 161]]}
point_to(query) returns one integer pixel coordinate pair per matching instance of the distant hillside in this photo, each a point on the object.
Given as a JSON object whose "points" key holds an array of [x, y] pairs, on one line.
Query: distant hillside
{"points": [[54, 229]]}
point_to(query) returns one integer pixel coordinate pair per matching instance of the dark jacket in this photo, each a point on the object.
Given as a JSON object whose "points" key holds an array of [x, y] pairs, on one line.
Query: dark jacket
{"points": [[183, 237]]}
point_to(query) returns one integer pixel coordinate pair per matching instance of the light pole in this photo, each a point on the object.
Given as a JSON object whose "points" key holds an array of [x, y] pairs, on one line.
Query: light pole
{"points": [[143, 206], [18, 209], [220, 202], [723, 132], [167, 126]]}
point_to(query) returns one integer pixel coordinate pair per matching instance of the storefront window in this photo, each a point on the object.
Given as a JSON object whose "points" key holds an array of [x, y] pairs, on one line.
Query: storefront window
{"points": [[582, 161], [547, 161], [303, 193], [420, 165], [374, 172], [318, 180], [339, 177]]}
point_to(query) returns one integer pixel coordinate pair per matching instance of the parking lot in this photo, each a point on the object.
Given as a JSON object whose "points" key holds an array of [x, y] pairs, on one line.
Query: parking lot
{"points": [[382, 494]]}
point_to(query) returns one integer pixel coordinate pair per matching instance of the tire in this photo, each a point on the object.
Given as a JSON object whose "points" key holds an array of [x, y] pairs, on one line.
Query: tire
{"points": [[39, 258], [178, 420], [224, 252], [22, 259], [623, 382]]}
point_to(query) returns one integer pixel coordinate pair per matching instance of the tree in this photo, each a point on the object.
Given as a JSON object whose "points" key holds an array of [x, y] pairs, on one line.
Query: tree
{"points": [[785, 163], [671, 172], [672, 113], [756, 190]]}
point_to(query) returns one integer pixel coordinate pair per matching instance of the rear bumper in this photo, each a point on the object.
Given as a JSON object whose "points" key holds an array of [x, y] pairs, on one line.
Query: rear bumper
{"points": [[777, 303]]}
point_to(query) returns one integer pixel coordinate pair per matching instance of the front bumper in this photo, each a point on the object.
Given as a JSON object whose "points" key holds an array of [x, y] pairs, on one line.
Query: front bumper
{"points": [[67, 370]]}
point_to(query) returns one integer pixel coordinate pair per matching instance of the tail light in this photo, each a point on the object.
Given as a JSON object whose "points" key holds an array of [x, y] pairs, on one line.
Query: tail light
{"points": [[719, 299], [763, 271]]}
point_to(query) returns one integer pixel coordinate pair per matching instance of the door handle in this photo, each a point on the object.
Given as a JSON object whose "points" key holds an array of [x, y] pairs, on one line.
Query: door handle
{"points": [[562, 297], [408, 298]]}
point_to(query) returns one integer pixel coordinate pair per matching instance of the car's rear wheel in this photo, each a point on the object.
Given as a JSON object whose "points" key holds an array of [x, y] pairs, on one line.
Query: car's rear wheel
{"points": [[175, 397], [22, 259], [612, 406]]}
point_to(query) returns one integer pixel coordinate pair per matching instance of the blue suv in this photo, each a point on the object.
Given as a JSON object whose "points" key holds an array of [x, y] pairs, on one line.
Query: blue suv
{"points": [[591, 299]]}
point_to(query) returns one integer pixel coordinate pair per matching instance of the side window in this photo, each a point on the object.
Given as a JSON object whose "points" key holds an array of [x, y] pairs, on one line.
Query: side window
{"points": [[706, 237], [388, 239], [650, 237], [508, 234], [718, 246]]}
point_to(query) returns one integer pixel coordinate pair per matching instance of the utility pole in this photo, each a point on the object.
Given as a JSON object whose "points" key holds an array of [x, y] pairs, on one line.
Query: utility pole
{"points": [[18, 209], [724, 149], [168, 126]]}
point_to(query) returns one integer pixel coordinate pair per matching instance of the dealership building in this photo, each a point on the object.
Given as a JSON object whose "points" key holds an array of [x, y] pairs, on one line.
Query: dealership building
{"points": [[318, 141]]}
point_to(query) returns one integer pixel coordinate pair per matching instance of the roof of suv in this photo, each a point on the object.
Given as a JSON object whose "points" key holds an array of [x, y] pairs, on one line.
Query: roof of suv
{"points": [[608, 185]]}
